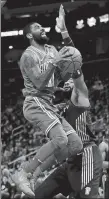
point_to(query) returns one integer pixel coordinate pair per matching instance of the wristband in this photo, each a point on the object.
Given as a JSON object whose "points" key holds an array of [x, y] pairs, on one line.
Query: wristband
{"points": [[76, 73], [64, 31], [39, 161]]}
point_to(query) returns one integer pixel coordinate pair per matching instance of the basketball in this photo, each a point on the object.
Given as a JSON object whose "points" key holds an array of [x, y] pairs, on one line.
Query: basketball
{"points": [[67, 67]]}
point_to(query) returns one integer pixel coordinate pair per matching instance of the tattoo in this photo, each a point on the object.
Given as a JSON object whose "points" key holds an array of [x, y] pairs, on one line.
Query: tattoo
{"points": [[28, 61]]}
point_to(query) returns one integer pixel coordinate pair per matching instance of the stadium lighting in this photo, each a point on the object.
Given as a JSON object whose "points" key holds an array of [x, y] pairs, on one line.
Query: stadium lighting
{"points": [[23, 16], [91, 21], [10, 47], [18, 32], [80, 24], [47, 29], [9, 33], [104, 18]]}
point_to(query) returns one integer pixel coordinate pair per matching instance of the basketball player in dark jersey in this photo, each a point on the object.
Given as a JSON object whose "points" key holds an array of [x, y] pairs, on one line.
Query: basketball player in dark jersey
{"points": [[80, 174]]}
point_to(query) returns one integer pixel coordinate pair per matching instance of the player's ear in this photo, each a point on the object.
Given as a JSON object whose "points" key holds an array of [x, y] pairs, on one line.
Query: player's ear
{"points": [[29, 36]]}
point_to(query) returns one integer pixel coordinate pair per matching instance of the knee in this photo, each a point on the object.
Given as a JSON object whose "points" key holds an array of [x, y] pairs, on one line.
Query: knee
{"points": [[63, 141], [74, 144], [60, 141]]}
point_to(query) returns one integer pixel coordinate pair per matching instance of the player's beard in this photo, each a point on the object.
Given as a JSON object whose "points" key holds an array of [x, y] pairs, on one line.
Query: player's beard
{"points": [[41, 40]]}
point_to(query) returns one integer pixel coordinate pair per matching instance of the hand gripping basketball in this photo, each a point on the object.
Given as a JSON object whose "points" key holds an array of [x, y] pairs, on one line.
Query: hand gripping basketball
{"points": [[73, 62], [63, 55]]}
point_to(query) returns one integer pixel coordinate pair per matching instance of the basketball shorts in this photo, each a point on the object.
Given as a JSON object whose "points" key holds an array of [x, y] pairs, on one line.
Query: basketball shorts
{"points": [[43, 114]]}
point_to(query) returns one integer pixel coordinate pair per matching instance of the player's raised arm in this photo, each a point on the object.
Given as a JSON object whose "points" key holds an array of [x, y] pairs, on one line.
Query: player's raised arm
{"points": [[80, 90], [79, 95], [60, 24]]}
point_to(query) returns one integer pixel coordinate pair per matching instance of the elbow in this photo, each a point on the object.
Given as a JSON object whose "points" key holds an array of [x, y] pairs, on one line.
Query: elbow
{"points": [[85, 89], [79, 145]]}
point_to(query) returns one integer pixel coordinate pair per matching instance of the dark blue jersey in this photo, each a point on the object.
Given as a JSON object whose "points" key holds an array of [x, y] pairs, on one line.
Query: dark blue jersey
{"points": [[79, 118]]}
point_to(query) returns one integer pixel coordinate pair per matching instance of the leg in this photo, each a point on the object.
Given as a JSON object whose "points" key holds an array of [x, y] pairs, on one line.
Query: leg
{"points": [[74, 146], [91, 189], [39, 113], [55, 132], [56, 183]]}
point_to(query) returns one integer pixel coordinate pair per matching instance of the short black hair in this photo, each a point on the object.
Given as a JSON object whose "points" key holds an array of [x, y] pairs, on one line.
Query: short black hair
{"points": [[27, 29]]}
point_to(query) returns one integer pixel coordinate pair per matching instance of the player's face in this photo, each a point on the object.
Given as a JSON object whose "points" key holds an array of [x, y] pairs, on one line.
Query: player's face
{"points": [[69, 85], [38, 33]]}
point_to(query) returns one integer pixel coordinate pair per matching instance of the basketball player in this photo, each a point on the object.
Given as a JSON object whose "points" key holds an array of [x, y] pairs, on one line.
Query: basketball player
{"points": [[80, 174], [38, 64], [104, 148]]}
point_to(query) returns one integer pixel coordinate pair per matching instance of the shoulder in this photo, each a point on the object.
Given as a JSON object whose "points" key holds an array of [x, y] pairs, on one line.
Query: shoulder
{"points": [[28, 56]]}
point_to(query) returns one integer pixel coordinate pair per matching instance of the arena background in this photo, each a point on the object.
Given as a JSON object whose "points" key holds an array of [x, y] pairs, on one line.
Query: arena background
{"points": [[88, 26]]}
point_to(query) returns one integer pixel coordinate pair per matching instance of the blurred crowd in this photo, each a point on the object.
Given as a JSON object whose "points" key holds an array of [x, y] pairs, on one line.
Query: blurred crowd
{"points": [[99, 99], [20, 140]]}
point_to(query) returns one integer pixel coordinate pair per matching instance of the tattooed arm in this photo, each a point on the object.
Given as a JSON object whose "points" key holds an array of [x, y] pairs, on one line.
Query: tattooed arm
{"points": [[31, 67]]}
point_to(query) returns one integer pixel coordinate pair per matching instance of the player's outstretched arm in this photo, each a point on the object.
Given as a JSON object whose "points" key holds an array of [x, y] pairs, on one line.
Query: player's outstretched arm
{"points": [[79, 94], [60, 24]]}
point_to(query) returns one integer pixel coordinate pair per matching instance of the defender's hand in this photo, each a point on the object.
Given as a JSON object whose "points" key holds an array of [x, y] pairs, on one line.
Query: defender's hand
{"points": [[62, 55], [60, 21]]}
